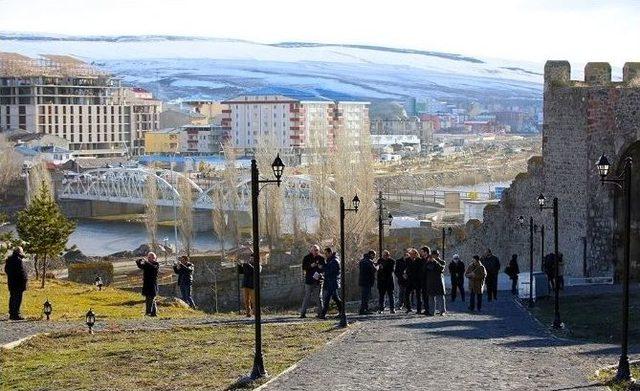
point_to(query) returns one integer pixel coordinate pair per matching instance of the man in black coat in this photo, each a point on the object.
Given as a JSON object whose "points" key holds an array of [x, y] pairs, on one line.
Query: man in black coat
{"points": [[247, 270], [425, 257], [385, 281], [415, 277], [456, 272], [150, 269], [492, 265], [312, 267], [17, 279], [401, 278], [513, 270], [184, 270], [367, 278]]}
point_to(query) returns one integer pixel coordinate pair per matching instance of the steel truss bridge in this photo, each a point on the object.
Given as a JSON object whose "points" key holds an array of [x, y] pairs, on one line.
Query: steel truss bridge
{"points": [[129, 185]]}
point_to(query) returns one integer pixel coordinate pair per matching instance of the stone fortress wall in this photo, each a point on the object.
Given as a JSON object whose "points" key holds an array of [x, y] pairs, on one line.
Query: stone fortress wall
{"points": [[582, 119]]}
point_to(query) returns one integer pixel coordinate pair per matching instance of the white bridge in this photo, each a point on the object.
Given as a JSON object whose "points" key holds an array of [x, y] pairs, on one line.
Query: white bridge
{"points": [[129, 185]]}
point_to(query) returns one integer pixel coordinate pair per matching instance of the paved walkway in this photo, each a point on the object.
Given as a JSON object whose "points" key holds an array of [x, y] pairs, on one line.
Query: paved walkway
{"points": [[501, 349]]}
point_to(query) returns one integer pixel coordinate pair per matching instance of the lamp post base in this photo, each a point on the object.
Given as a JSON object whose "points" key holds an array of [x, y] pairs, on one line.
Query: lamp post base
{"points": [[258, 370], [532, 303], [557, 323], [623, 373]]}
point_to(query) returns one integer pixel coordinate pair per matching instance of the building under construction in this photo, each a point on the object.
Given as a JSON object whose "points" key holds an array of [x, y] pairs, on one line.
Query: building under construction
{"points": [[68, 98]]}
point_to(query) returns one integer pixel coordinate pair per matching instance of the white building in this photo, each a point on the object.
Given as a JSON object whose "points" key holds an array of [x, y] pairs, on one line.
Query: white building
{"points": [[48, 153], [62, 96], [294, 119]]}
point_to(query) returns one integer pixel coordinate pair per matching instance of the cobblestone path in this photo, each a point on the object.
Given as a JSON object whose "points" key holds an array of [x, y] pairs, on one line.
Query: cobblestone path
{"points": [[502, 348]]}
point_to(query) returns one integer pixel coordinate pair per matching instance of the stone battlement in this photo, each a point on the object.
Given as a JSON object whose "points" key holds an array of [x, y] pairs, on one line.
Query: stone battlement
{"points": [[596, 74]]}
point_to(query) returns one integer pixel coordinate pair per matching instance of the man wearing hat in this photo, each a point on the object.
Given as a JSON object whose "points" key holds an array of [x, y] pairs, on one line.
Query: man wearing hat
{"points": [[456, 272], [17, 281]]}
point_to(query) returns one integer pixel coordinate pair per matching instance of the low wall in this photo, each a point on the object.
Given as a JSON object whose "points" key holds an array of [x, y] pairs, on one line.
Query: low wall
{"points": [[85, 273]]}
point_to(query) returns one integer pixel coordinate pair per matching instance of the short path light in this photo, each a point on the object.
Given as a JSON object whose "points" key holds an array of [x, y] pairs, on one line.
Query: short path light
{"points": [[90, 320], [47, 308], [99, 283]]}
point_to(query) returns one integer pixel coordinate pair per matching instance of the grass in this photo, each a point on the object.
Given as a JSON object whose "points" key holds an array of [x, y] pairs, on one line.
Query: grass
{"points": [[71, 301], [187, 359], [595, 318], [607, 377]]}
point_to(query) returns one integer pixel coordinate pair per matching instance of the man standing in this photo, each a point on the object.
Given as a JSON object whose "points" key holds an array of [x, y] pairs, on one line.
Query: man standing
{"points": [[425, 256], [149, 268], [492, 266], [312, 266], [434, 279], [184, 270], [17, 279], [385, 281], [246, 269], [401, 278], [367, 278], [414, 278], [512, 271], [476, 273], [331, 282], [456, 271]]}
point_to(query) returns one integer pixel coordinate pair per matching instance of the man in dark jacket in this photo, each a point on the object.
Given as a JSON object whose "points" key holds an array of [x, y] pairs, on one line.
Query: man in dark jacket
{"points": [[331, 283], [492, 264], [367, 278], [401, 278], [434, 281], [17, 279], [184, 270], [247, 269], [456, 272], [312, 267], [414, 275], [385, 281], [425, 256], [512, 270], [149, 268]]}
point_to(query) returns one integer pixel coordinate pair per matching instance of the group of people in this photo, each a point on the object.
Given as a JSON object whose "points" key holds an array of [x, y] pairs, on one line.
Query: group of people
{"points": [[418, 276]]}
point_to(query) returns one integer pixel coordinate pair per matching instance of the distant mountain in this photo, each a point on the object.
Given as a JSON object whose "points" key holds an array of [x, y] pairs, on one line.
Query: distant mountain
{"points": [[211, 68]]}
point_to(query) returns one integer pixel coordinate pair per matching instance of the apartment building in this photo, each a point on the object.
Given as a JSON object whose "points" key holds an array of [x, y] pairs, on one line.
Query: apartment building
{"points": [[65, 97], [187, 139], [295, 120]]}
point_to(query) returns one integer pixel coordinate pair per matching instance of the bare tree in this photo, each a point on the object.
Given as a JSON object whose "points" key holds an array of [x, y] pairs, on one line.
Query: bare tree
{"points": [[230, 181], [273, 196], [10, 165], [186, 213], [38, 177], [151, 210], [220, 221]]}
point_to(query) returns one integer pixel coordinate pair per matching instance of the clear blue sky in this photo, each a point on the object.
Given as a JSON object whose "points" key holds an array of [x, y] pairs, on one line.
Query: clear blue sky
{"points": [[577, 30]]}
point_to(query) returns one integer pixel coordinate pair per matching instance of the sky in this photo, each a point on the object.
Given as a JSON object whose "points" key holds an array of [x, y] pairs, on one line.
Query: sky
{"points": [[532, 30]]}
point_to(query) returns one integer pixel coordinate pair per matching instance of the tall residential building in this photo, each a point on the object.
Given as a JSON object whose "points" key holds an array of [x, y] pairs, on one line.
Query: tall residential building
{"points": [[65, 97], [295, 120]]}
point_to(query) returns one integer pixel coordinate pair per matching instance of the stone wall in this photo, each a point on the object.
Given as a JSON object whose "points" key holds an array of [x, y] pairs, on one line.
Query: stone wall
{"points": [[582, 119]]}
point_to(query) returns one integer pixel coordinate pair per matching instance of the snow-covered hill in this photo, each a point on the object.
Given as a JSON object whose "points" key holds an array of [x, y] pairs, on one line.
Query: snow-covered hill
{"points": [[191, 67]]}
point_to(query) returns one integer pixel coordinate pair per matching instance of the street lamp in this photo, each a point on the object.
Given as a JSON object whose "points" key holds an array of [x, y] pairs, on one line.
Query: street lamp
{"points": [[99, 283], [90, 319], [444, 232], [277, 166], [557, 323], [47, 309], [381, 222], [532, 229], [623, 182], [355, 203]]}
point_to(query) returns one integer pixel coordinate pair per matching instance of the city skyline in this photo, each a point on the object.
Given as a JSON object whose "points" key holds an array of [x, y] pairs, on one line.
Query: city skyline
{"points": [[578, 31]]}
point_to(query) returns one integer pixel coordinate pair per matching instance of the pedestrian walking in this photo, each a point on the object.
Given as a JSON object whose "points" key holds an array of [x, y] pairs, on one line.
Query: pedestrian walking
{"points": [[492, 266], [17, 279], [366, 279], [476, 273], [247, 269], [456, 272], [150, 267], [414, 276], [312, 267], [184, 270], [331, 283], [434, 277], [512, 270], [401, 277], [425, 256], [548, 267], [385, 281]]}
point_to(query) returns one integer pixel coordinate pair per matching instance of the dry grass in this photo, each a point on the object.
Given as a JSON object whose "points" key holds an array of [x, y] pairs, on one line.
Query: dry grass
{"points": [[71, 301], [211, 358]]}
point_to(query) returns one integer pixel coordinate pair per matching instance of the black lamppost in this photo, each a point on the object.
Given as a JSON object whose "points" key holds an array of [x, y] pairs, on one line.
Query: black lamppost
{"points": [[355, 203], [99, 283], [531, 230], [623, 181], [444, 232], [90, 320], [277, 166], [47, 309], [381, 222], [557, 323]]}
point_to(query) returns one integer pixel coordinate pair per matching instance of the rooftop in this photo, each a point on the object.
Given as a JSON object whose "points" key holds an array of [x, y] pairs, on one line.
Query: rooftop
{"points": [[49, 65]]}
